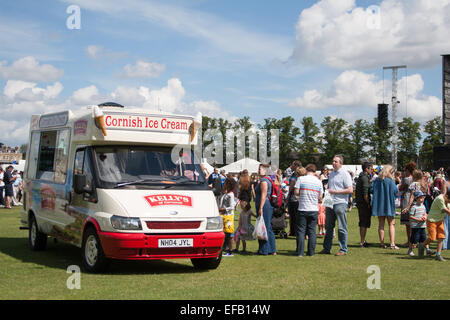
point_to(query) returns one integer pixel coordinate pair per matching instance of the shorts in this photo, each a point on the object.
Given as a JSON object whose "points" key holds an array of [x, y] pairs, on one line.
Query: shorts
{"points": [[418, 235], [229, 235], [9, 191], [365, 214], [436, 230]]}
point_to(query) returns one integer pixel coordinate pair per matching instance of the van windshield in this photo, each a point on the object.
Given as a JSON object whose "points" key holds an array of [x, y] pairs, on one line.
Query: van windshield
{"points": [[119, 166]]}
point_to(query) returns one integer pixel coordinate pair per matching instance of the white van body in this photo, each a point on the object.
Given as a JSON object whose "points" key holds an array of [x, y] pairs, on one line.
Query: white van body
{"points": [[135, 204]]}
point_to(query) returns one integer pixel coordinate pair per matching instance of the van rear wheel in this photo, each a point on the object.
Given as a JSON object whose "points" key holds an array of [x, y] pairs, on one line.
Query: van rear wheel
{"points": [[36, 239], [207, 263], [93, 258]]}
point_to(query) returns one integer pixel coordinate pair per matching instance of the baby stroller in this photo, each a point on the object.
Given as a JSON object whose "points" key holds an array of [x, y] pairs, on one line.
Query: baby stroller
{"points": [[279, 223]]}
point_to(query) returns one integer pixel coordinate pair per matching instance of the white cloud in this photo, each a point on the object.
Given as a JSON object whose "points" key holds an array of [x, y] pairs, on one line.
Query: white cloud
{"points": [[128, 96], [211, 109], [27, 91], [98, 52], [343, 35], [350, 89], [26, 98], [85, 95], [29, 69], [170, 98], [353, 90], [93, 51], [167, 98], [143, 69], [20, 100]]}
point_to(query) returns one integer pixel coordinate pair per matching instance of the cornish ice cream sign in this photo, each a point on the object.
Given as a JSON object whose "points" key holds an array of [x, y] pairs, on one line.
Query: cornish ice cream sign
{"points": [[146, 123]]}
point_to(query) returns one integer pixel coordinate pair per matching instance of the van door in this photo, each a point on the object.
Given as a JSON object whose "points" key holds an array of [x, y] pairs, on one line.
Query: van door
{"points": [[81, 204], [49, 194]]}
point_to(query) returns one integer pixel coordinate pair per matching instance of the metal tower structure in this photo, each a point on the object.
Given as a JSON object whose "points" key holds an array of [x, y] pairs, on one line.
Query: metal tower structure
{"points": [[394, 112]]}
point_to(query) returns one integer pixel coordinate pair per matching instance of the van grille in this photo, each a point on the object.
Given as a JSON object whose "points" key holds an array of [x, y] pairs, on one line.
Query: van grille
{"points": [[173, 224]]}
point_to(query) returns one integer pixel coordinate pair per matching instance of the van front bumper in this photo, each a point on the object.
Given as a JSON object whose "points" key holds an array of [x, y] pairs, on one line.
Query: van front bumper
{"points": [[140, 246]]}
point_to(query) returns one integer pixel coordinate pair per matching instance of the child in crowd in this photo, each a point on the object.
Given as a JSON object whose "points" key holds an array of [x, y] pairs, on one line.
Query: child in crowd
{"points": [[245, 229], [418, 216], [321, 219], [226, 209], [435, 223]]}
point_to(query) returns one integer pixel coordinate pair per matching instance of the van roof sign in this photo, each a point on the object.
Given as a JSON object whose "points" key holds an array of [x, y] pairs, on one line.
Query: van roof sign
{"points": [[142, 122], [54, 120]]}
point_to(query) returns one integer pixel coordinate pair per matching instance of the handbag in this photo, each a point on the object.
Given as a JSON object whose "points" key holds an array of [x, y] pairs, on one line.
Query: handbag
{"points": [[260, 232]]}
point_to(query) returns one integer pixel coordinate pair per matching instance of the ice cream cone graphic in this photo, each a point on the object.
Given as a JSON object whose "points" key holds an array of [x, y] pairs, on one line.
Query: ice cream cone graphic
{"points": [[99, 119], [195, 125]]}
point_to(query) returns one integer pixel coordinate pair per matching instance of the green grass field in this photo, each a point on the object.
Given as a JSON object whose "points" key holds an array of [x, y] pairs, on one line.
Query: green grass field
{"points": [[43, 275]]}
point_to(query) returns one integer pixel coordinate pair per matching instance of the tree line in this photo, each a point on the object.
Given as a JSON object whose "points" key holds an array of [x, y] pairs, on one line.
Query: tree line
{"points": [[318, 143], [362, 140]]}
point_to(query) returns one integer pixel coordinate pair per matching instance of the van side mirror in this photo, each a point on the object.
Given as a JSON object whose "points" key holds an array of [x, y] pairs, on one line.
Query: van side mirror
{"points": [[79, 184]]}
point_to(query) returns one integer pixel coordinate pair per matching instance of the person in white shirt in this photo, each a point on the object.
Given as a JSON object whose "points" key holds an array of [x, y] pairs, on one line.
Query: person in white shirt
{"points": [[309, 190], [340, 185], [16, 188]]}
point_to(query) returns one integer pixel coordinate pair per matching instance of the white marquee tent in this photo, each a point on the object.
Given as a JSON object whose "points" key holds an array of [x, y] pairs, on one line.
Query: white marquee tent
{"points": [[250, 164], [19, 167]]}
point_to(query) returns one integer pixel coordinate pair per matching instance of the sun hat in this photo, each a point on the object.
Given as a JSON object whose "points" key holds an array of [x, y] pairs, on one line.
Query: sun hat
{"points": [[418, 194]]}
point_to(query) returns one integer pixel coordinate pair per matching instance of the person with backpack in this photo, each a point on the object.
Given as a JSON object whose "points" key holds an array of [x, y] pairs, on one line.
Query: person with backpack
{"points": [[276, 198], [263, 194], [309, 190]]}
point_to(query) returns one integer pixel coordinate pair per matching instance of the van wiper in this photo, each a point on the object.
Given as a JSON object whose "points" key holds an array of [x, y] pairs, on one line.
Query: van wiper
{"points": [[141, 181], [184, 180], [191, 182]]}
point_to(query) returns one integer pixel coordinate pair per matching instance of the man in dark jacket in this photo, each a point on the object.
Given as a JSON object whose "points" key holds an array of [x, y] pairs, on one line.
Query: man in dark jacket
{"points": [[2, 187], [363, 201], [8, 179]]}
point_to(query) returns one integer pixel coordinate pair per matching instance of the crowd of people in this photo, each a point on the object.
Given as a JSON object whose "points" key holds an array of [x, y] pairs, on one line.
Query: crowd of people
{"points": [[10, 187], [314, 201]]}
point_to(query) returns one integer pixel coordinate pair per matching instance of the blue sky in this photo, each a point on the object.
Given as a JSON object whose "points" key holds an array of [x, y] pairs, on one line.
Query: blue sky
{"points": [[222, 58]]}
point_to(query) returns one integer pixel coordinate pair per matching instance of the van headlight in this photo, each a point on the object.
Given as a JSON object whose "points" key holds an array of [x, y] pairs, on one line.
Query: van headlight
{"points": [[214, 223], [124, 223]]}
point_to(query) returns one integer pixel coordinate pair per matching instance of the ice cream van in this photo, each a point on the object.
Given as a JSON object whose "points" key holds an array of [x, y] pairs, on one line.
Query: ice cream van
{"points": [[107, 179]]}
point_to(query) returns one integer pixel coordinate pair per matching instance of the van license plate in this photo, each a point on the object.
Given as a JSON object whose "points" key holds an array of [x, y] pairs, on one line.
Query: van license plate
{"points": [[175, 243]]}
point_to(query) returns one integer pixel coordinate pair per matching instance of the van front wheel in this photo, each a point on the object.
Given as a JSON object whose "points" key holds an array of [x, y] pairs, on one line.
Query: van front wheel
{"points": [[207, 263], [94, 259]]}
